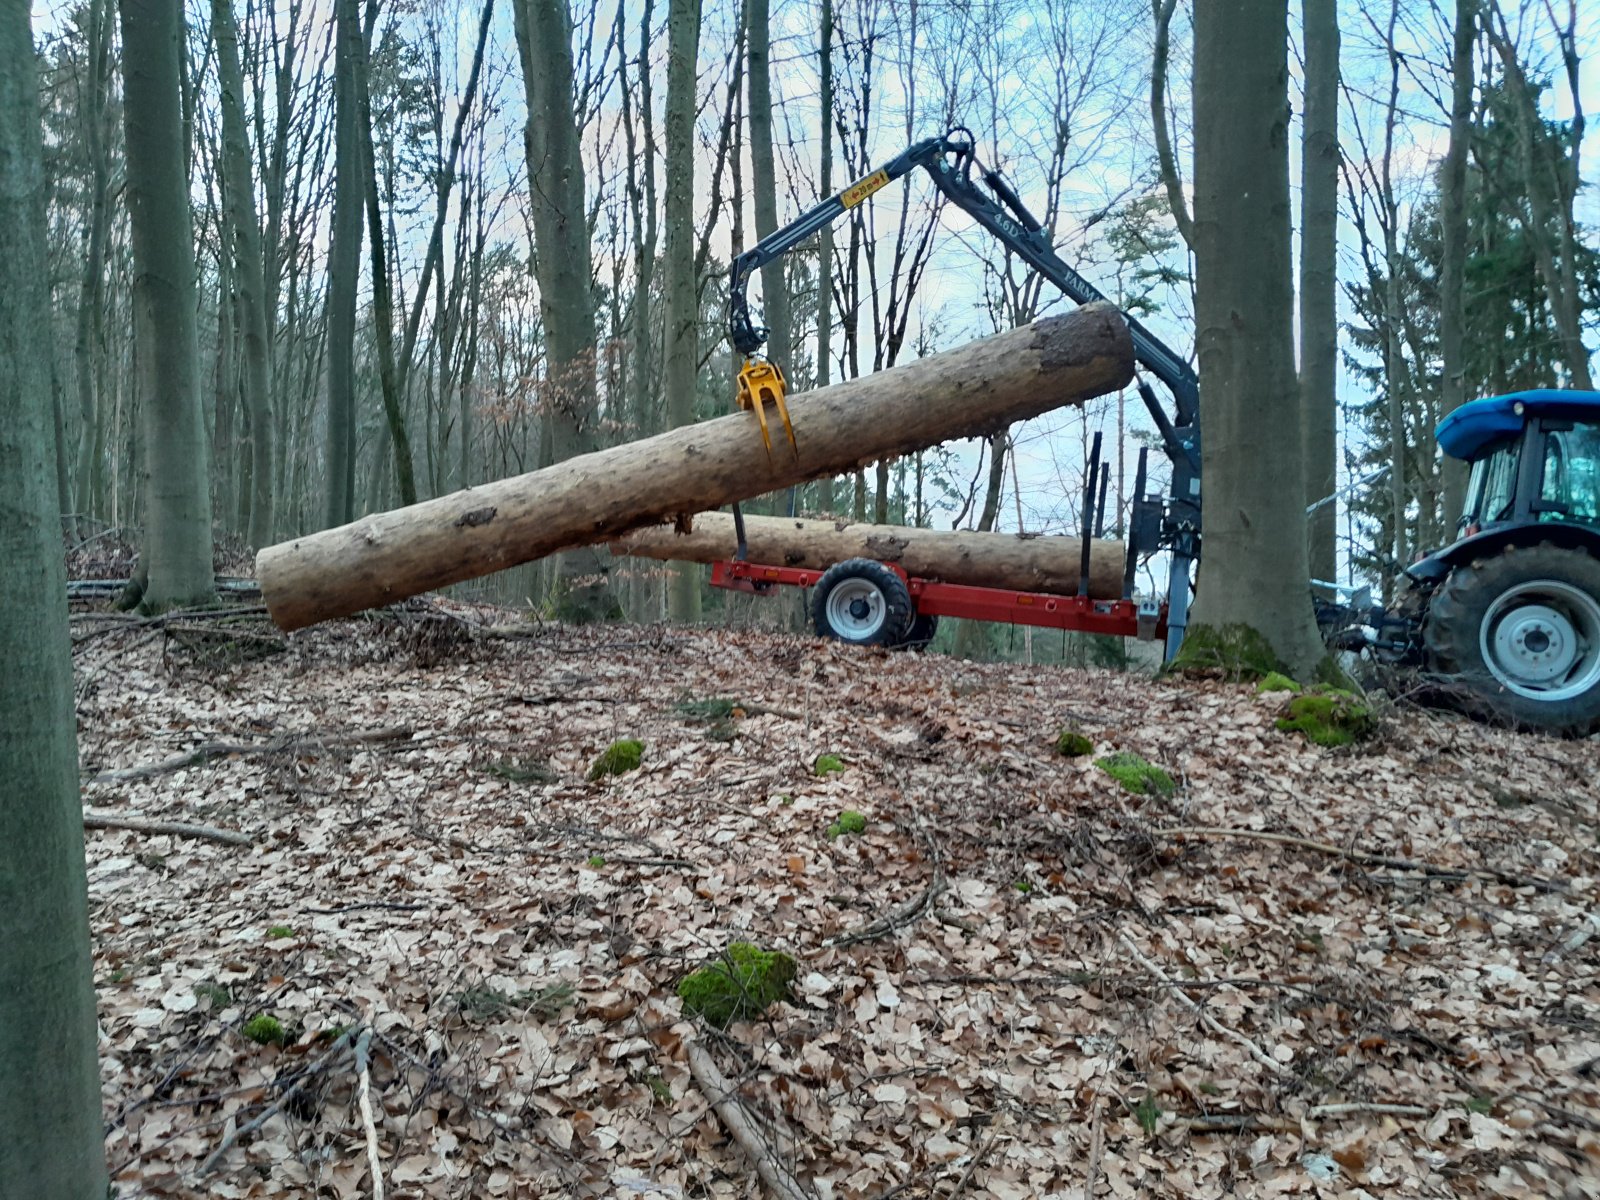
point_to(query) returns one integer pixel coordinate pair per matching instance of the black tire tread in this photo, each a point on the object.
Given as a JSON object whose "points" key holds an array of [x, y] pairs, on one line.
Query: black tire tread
{"points": [[1457, 609], [897, 599]]}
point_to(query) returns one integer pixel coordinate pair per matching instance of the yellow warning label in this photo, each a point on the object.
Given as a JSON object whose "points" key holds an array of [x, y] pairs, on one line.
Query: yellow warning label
{"points": [[860, 190]]}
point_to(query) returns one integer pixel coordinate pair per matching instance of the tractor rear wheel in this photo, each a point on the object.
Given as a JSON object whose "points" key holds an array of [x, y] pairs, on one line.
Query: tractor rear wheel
{"points": [[1522, 630], [862, 602], [920, 633]]}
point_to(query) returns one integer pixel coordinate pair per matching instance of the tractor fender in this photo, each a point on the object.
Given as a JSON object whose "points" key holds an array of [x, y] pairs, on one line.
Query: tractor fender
{"points": [[1569, 535]]}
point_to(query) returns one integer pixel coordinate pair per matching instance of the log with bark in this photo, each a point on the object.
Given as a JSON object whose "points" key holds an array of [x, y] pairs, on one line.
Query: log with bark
{"points": [[967, 392], [1003, 560]]}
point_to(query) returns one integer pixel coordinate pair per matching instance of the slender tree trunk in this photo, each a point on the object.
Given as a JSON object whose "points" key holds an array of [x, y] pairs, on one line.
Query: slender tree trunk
{"points": [[248, 277], [1453, 246], [563, 270], [1394, 367], [225, 396], [774, 286], [382, 305], [174, 474], [89, 346], [1319, 321], [1255, 529], [344, 267], [49, 1079], [825, 238], [682, 348]]}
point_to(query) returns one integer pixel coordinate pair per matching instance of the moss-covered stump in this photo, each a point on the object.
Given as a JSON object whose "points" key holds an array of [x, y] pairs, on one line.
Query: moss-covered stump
{"points": [[740, 985], [622, 756], [1236, 653], [1329, 717], [1072, 744], [1136, 775]]}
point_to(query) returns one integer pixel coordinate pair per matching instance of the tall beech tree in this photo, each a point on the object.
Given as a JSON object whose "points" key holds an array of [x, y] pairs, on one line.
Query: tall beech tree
{"points": [[49, 1079], [1319, 321], [1255, 567], [174, 454]]}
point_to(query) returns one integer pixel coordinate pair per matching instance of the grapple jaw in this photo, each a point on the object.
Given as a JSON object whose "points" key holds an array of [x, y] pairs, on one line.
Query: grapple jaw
{"points": [[761, 383]]}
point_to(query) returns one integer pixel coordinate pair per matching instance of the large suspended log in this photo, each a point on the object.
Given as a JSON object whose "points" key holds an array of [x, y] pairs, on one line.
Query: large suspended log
{"points": [[1002, 560], [966, 392]]}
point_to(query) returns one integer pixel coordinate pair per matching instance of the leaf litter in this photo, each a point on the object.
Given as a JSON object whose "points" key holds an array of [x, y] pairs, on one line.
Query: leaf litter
{"points": [[1018, 980]]}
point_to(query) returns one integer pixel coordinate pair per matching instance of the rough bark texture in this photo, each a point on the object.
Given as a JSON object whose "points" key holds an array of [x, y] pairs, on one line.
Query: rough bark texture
{"points": [[49, 1080], [1255, 567], [682, 348], [344, 265], [1056, 361], [248, 278], [1319, 322], [561, 263], [1002, 560], [1453, 247], [775, 305], [175, 453]]}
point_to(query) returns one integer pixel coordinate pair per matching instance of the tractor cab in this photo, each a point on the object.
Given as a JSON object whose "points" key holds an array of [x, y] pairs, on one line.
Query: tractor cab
{"points": [[1535, 458], [1511, 609]]}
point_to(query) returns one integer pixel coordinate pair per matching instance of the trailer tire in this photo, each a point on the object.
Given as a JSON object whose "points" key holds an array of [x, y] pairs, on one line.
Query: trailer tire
{"points": [[862, 602], [920, 633], [1522, 630]]}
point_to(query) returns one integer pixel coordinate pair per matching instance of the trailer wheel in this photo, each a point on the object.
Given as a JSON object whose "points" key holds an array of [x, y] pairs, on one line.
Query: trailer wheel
{"points": [[920, 634], [1522, 629], [862, 602]]}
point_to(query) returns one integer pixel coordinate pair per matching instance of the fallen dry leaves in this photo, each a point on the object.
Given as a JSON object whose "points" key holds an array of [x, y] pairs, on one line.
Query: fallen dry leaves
{"points": [[512, 935]]}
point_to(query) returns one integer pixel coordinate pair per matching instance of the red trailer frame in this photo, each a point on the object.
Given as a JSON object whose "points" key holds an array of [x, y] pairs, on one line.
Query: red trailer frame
{"points": [[1117, 618]]}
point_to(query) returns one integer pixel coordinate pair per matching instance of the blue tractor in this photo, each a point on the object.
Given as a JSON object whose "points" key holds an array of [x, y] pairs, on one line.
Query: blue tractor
{"points": [[1511, 609]]}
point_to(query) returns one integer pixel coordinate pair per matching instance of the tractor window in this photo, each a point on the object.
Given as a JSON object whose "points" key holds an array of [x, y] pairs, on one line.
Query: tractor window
{"points": [[1571, 487], [1492, 487]]}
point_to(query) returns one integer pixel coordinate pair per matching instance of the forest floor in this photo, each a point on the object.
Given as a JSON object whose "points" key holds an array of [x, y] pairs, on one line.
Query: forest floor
{"points": [[1019, 980]]}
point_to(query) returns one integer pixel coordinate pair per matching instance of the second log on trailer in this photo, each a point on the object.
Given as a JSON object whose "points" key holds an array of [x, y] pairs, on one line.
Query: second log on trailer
{"points": [[973, 390], [998, 560]]}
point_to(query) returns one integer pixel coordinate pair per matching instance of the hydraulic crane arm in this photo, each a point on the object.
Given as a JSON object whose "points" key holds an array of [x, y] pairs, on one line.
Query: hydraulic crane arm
{"points": [[951, 160]]}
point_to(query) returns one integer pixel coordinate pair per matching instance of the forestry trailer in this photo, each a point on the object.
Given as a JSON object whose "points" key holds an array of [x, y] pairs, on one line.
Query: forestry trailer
{"points": [[1510, 611]]}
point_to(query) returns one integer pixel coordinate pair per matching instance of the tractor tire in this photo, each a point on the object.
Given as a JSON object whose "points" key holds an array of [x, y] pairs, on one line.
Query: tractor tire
{"points": [[862, 602], [1522, 631], [920, 633]]}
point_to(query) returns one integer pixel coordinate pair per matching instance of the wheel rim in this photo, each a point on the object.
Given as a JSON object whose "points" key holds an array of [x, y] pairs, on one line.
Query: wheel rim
{"points": [[857, 609], [1541, 640]]}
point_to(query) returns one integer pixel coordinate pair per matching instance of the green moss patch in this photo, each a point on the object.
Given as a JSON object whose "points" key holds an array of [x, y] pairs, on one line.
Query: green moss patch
{"points": [[850, 821], [1276, 682], [622, 756], [827, 764], [265, 1029], [738, 986], [1234, 652], [279, 931], [1072, 744], [1328, 717], [1137, 775]]}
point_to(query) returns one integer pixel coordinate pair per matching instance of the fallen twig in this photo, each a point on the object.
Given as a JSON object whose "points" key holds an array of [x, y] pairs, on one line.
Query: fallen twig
{"points": [[282, 745], [972, 1167], [208, 833], [906, 913], [1392, 1110], [1216, 1026], [341, 1047], [1362, 856], [740, 1126], [363, 1095], [383, 904]]}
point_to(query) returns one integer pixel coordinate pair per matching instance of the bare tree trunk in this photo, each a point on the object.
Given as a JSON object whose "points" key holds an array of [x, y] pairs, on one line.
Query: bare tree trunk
{"points": [[682, 321], [382, 304], [1453, 246], [1319, 320], [774, 286], [49, 1079], [825, 238], [1394, 367], [174, 475], [89, 347], [562, 267], [248, 278], [344, 268], [1165, 157], [1255, 529]]}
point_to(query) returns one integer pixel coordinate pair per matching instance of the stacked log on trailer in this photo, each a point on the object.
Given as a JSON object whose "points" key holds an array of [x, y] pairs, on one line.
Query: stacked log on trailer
{"points": [[966, 392], [999, 560]]}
